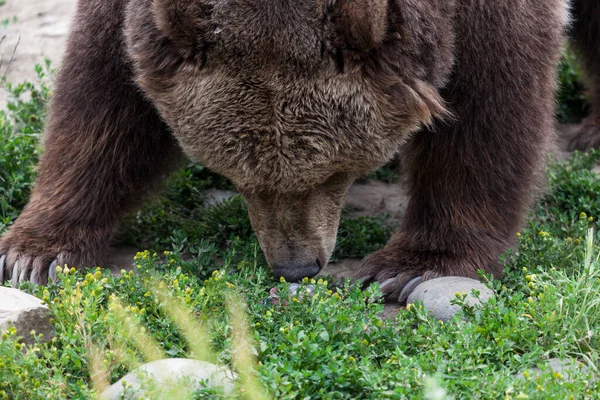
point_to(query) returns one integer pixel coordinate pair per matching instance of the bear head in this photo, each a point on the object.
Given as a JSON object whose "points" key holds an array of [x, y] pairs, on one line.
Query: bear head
{"points": [[291, 100]]}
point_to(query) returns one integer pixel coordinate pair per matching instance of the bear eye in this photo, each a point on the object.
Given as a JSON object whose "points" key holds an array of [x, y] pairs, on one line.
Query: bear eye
{"points": [[338, 59]]}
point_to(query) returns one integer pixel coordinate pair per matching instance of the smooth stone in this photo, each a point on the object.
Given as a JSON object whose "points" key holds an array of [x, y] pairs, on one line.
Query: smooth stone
{"points": [[436, 295], [567, 367], [26, 313], [167, 375]]}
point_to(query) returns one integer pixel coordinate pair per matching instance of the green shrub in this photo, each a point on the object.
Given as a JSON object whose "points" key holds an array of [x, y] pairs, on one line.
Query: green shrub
{"points": [[21, 127], [328, 343]]}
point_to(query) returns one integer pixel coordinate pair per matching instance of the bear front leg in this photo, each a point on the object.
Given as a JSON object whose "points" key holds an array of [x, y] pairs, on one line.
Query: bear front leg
{"points": [[472, 178], [104, 147], [586, 40]]}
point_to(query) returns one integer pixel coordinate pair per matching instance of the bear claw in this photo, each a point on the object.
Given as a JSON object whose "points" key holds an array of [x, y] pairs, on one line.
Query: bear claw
{"points": [[391, 285], [52, 270], [2, 263], [365, 281], [408, 288], [388, 286], [19, 275]]}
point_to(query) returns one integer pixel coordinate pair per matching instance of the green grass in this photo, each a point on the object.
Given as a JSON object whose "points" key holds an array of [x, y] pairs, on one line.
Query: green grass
{"points": [[328, 344]]}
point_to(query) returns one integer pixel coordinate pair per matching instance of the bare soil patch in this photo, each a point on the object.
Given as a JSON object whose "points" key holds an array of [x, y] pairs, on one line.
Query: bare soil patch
{"points": [[33, 30]]}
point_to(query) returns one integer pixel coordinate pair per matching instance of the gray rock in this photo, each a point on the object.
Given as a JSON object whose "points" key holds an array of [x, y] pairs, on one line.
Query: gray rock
{"points": [[26, 313], [436, 295], [567, 367], [169, 377], [562, 364]]}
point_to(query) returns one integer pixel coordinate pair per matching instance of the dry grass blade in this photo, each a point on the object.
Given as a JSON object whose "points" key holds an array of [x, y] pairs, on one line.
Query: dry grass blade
{"points": [[243, 359], [136, 332], [193, 331], [12, 57], [99, 373]]}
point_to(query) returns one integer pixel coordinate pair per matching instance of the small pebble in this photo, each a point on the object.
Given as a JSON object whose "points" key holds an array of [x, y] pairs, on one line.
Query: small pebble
{"points": [[296, 289]]}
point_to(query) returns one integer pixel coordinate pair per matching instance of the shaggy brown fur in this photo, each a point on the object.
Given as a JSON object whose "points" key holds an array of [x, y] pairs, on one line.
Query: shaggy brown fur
{"points": [[586, 40], [292, 100]]}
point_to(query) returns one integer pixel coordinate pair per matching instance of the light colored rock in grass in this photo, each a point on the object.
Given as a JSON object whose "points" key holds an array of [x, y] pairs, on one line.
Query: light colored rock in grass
{"points": [[568, 368], [169, 378], [436, 295], [26, 313]]}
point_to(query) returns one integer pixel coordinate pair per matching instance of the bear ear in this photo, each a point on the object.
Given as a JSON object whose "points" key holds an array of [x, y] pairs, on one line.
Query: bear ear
{"points": [[184, 22], [361, 23]]}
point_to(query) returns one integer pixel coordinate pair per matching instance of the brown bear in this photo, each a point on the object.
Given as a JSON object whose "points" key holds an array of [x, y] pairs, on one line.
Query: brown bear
{"points": [[585, 35], [293, 100]]}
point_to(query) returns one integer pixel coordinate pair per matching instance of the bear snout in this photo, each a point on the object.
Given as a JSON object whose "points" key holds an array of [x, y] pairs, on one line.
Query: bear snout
{"points": [[294, 271]]}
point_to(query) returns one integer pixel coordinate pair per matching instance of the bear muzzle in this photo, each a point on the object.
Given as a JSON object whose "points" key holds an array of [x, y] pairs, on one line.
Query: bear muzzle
{"points": [[294, 271]]}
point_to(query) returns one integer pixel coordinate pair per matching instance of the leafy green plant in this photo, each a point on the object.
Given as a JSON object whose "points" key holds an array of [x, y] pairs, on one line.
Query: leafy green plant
{"points": [[358, 237], [324, 340]]}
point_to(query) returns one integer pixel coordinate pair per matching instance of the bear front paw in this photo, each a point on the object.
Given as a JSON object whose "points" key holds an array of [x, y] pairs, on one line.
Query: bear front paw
{"points": [[396, 275], [25, 258], [586, 136], [399, 270]]}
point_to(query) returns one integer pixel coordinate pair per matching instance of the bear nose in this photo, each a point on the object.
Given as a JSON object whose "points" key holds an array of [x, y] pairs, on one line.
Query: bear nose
{"points": [[295, 271]]}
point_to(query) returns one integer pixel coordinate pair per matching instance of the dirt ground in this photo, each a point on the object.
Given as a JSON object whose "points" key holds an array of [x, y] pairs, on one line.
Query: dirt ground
{"points": [[38, 32]]}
